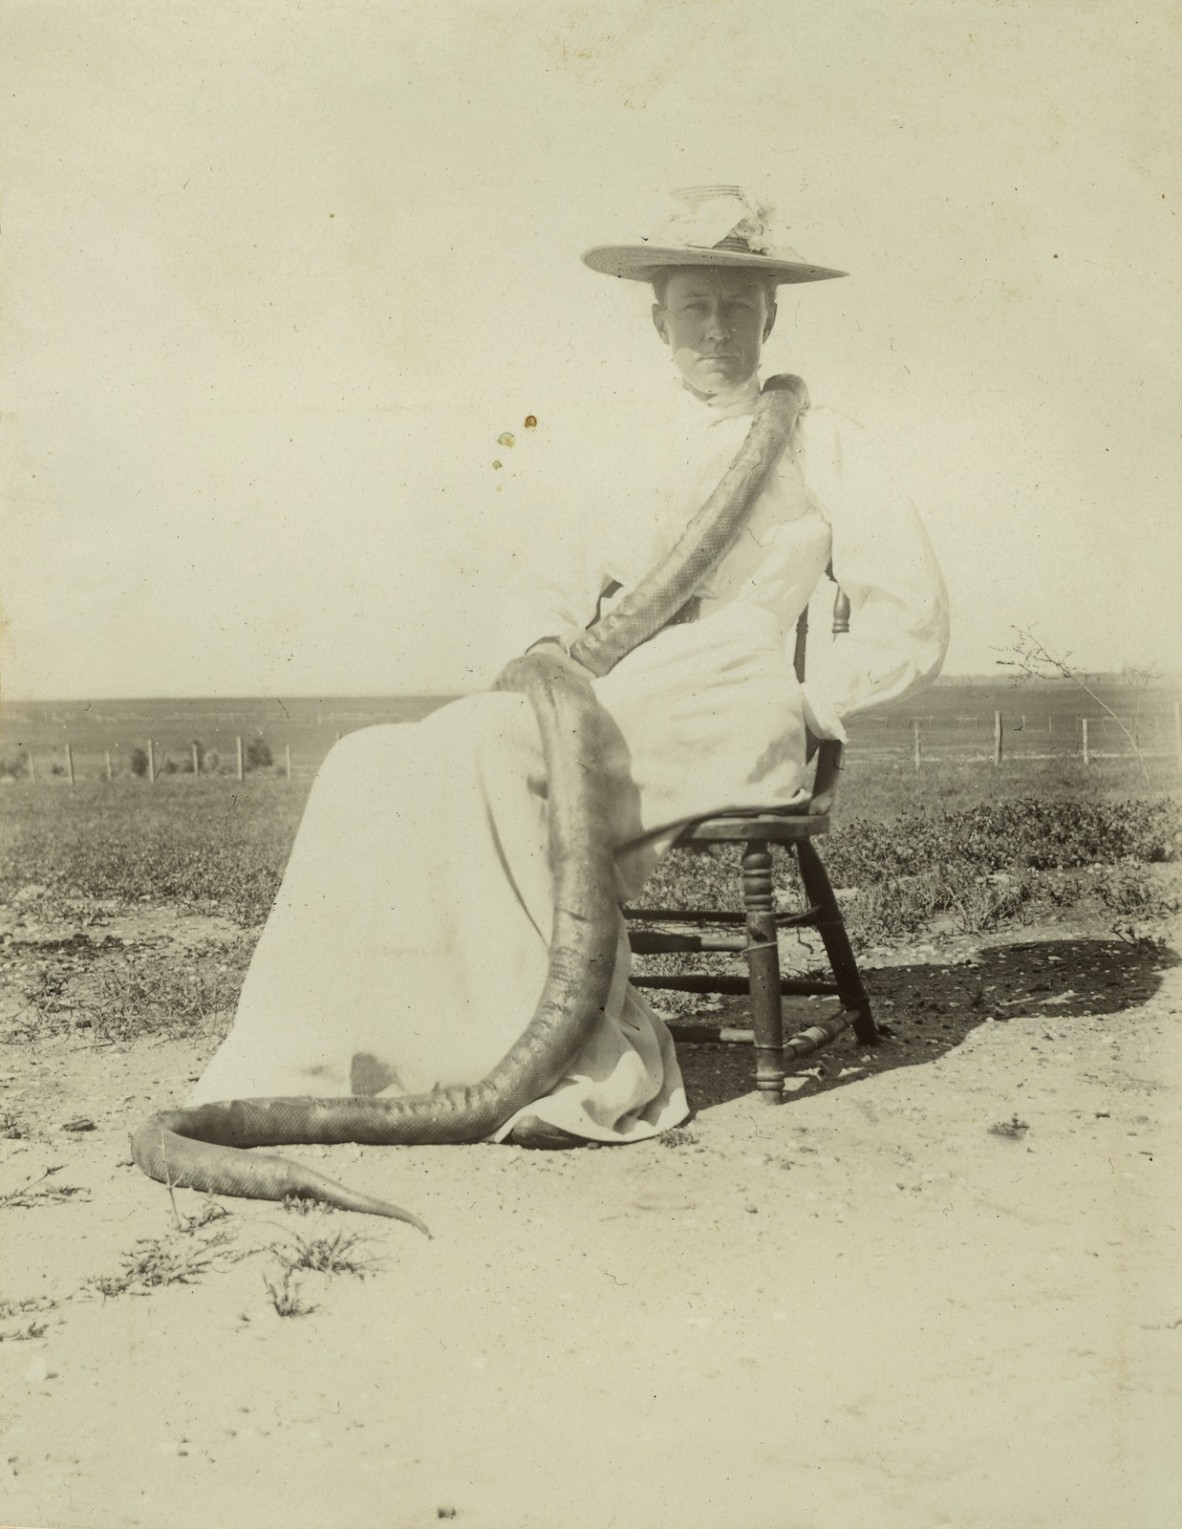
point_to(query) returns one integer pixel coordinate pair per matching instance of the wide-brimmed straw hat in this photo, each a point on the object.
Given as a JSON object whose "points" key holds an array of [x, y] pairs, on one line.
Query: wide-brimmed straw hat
{"points": [[708, 226]]}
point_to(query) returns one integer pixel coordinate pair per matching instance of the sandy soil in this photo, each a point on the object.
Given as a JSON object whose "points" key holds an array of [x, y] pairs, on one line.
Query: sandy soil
{"points": [[938, 1287]]}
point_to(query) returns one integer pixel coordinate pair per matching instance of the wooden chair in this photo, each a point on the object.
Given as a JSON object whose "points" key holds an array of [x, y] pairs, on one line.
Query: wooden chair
{"points": [[759, 830]]}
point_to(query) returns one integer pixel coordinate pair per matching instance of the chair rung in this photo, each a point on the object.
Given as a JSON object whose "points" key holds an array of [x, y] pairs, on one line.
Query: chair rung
{"points": [[686, 915], [656, 942], [797, 920], [724, 982], [805, 919], [696, 1035], [802, 1044]]}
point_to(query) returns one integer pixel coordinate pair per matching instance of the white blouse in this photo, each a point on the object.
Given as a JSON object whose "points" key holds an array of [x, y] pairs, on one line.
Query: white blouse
{"points": [[823, 503]]}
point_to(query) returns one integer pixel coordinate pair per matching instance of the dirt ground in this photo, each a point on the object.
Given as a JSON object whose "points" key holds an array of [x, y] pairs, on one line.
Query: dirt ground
{"points": [[936, 1289]]}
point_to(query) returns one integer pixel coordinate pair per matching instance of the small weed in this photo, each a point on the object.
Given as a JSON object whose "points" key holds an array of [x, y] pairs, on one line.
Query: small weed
{"points": [[1015, 1128], [891, 909], [337, 1254], [156, 1262], [34, 1303], [677, 1137], [286, 1296], [300, 1205], [1138, 907], [210, 1211], [978, 903], [33, 1329], [11, 1128], [29, 1195]]}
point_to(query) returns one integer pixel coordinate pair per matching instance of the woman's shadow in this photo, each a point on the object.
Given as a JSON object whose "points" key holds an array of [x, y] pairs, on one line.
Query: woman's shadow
{"points": [[927, 1009]]}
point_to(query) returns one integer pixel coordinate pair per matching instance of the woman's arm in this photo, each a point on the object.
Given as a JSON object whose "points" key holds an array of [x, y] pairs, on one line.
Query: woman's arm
{"points": [[555, 606], [883, 560]]}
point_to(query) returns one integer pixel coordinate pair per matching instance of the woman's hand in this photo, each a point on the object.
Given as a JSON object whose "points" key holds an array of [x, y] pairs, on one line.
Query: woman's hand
{"points": [[554, 647]]}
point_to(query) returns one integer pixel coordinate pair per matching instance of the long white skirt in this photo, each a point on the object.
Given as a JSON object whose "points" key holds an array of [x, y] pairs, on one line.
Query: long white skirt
{"points": [[408, 943]]}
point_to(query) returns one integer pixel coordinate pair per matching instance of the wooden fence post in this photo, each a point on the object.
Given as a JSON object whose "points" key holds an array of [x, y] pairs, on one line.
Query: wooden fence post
{"points": [[151, 763], [915, 748], [997, 737], [1084, 730], [287, 760], [239, 758], [196, 761], [70, 763], [109, 771]]}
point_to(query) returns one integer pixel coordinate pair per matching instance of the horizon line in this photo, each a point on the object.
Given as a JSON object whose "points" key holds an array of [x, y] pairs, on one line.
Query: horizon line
{"points": [[1164, 678]]}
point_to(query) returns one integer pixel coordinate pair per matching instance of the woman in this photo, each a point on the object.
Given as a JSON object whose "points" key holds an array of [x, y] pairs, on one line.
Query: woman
{"points": [[408, 941]]}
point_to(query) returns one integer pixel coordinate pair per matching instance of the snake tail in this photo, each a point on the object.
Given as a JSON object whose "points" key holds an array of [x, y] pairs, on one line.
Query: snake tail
{"points": [[207, 1146]]}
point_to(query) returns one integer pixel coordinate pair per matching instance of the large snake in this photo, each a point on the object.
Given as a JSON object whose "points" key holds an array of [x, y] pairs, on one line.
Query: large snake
{"points": [[202, 1147]]}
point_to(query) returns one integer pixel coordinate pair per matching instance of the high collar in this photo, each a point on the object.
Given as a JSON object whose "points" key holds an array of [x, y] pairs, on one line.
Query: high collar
{"points": [[729, 404]]}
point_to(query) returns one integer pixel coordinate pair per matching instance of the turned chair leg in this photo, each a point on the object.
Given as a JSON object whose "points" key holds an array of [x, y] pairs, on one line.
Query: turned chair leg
{"points": [[831, 926], [763, 963]]}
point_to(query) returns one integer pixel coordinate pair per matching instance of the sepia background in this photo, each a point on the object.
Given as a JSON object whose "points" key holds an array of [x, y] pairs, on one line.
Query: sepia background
{"points": [[276, 278], [278, 283]]}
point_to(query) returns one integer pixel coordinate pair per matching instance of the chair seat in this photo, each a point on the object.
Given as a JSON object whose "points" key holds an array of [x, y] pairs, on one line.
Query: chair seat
{"points": [[768, 826]]}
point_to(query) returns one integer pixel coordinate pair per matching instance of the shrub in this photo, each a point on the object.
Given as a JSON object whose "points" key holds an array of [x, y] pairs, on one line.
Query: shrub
{"points": [[139, 761], [258, 754]]}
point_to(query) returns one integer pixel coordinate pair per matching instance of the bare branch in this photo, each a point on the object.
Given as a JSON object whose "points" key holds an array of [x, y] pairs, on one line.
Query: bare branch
{"points": [[1036, 661]]}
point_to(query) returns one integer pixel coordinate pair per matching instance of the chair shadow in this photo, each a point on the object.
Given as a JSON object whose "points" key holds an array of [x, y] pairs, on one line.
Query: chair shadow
{"points": [[927, 1009]]}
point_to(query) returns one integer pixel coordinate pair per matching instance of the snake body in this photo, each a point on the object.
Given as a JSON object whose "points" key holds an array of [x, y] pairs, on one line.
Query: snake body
{"points": [[204, 1147]]}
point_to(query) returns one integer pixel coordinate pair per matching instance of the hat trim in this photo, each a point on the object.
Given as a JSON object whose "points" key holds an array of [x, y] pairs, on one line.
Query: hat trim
{"points": [[641, 262]]}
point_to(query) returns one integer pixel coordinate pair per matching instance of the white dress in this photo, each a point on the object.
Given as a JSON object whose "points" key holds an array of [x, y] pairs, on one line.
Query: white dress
{"points": [[408, 941]]}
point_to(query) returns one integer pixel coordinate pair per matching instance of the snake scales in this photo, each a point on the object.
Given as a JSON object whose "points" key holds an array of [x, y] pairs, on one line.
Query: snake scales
{"points": [[203, 1147]]}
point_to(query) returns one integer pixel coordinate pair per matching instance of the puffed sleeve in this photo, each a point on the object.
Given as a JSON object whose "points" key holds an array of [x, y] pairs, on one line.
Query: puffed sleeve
{"points": [[883, 560]]}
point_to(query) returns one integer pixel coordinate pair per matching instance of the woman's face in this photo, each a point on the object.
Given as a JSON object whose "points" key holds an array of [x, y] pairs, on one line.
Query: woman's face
{"points": [[715, 322]]}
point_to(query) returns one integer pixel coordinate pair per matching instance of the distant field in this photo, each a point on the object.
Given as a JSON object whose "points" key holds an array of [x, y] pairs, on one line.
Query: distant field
{"points": [[306, 725], [957, 840], [954, 721], [1039, 720]]}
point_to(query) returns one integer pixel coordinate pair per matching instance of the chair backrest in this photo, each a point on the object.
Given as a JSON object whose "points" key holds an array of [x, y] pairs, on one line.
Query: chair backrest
{"points": [[828, 768], [841, 625]]}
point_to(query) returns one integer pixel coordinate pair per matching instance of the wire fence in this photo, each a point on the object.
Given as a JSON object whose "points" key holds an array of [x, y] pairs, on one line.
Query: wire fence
{"points": [[985, 736]]}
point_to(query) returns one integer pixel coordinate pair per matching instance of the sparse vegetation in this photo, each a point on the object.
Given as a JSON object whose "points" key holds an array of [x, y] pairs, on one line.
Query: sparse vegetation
{"points": [[952, 848], [39, 1192], [286, 1295], [338, 1253], [31, 1312], [148, 994], [158, 1261]]}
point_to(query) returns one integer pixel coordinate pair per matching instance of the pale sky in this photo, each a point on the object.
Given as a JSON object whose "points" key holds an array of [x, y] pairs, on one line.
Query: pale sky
{"points": [[275, 276]]}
